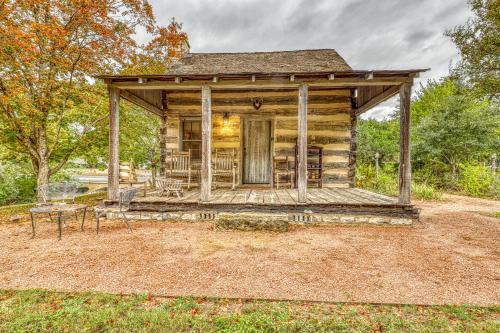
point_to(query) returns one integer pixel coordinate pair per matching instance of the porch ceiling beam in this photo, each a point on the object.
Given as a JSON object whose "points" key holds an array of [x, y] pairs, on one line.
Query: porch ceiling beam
{"points": [[134, 99], [257, 83], [383, 96]]}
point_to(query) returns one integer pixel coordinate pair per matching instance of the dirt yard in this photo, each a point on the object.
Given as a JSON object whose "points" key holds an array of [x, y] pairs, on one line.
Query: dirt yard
{"points": [[451, 256]]}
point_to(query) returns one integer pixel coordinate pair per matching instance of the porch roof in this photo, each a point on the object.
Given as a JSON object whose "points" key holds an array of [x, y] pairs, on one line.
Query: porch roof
{"points": [[239, 65], [320, 69], [260, 62]]}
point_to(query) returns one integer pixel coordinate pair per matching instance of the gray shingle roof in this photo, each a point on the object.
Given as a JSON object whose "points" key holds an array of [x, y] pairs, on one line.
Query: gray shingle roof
{"points": [[300, 61]]}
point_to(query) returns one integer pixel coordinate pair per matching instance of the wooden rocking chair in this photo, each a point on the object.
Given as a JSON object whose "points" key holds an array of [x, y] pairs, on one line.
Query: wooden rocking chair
{"points": [[180, 167], [224, 167], [169, 185]]}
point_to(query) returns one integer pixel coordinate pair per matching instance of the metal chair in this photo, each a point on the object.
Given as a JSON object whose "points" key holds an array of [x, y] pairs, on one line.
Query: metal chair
{"points": [[180, 166], [224, 166], [124, 200], [54, 197], [58, 194]]}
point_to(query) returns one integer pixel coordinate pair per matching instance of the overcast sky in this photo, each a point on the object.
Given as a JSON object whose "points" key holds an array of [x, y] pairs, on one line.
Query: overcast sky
{"points": [[369, 34]]}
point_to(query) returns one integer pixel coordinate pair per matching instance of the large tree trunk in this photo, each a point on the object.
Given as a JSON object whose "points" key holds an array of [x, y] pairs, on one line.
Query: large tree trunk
{"points": [[42, 176], [154, 173], [43, 168]]}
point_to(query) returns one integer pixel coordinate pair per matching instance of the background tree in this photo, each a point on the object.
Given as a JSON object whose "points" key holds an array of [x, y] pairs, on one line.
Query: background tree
{"points": [[478, 41], [140, 144], [49, 49], [378, 137], [457, 130]]}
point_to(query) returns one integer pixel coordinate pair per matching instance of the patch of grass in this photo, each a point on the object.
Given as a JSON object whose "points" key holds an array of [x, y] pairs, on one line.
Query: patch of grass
{"points": [[46, 311]]}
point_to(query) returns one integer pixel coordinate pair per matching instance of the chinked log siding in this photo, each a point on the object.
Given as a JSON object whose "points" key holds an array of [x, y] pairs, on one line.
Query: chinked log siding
{"points": [[245, 101], [292, 125], [328, 123], [318, 140]]}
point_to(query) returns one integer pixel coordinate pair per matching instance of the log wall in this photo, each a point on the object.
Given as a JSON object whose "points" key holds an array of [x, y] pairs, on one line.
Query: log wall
{"points": [[329, 123]]}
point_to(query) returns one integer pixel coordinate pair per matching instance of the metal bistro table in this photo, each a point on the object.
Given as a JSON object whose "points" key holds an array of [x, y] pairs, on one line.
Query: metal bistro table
{"points": [[59, 209]]}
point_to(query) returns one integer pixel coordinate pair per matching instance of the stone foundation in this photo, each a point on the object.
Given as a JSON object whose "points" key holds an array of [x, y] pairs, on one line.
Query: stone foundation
{"points": [[263, 220], [251, 221]]}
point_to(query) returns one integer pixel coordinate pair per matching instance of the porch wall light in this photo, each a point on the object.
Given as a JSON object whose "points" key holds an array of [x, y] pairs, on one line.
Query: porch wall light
{"points": [[225, 119]]}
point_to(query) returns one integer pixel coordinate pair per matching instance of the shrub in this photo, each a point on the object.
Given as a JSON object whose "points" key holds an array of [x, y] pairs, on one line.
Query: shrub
{"points": [[16, 185], [425, 191], [387, 182], [478, 180]]}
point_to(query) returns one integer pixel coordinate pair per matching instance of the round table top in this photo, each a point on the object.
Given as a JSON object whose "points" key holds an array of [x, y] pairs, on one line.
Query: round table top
{"points": [[57, 207]]}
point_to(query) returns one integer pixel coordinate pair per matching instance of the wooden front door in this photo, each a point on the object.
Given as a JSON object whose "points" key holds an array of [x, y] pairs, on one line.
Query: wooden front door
{"points": [[256, 151]]}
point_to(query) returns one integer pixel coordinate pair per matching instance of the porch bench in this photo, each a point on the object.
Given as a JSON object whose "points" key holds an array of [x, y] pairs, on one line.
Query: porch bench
{"points": [[54, 197]]}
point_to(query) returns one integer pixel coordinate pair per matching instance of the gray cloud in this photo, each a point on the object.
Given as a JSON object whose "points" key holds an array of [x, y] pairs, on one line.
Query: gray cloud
{"points": [[369, 34]]}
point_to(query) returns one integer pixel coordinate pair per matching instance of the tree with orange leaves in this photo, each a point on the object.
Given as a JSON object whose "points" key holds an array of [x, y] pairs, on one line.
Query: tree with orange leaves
{"points": [[49, 51]]}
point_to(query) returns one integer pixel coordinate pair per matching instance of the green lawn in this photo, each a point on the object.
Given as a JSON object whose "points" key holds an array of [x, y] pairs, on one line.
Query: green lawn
{"points": [[46, 311]]}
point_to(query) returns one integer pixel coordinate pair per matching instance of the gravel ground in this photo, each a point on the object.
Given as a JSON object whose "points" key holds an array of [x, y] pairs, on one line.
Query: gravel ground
{"points": [[451, 256]]}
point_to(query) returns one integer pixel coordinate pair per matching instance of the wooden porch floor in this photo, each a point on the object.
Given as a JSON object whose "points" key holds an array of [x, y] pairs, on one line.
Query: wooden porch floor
{"points": [[248, 196]]}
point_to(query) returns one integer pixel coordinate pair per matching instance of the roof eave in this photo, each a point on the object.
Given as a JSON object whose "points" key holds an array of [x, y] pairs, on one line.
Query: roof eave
{"points": [[204, 76]]}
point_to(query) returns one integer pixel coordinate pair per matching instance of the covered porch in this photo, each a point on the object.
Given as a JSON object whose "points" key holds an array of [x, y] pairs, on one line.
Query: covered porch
{"points": [[323, 205], [261, 115]]}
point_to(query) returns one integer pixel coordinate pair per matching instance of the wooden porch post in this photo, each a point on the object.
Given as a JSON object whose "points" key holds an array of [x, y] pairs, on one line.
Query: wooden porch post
{"points": [[163, 134], [404, 144], [206, 143], [163, 145], [114, 131], [302, 145]]}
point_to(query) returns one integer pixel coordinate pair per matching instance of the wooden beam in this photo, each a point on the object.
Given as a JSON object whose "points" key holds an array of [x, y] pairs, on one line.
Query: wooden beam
{"points": [[262, 84], [163, 145], [134, 99], [163, 134], [206, 143], [404, 145], [302, 145], [383, 96], [114, 130]]}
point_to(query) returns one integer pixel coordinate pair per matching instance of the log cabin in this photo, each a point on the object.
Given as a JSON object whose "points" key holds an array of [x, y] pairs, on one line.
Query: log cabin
{"points": [[300, 107]]}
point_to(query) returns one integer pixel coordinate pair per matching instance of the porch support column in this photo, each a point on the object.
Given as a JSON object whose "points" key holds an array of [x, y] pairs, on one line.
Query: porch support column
{"points": [[163, 134], [404, 144], [163, 145], [114, 131], [206, 143], [302, 145]]}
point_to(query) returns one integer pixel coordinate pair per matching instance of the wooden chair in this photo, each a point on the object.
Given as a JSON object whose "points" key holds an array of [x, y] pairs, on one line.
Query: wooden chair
{"points": [[166, 186], [224, 167], [128, 175], [283, 175], [180, 167]]}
